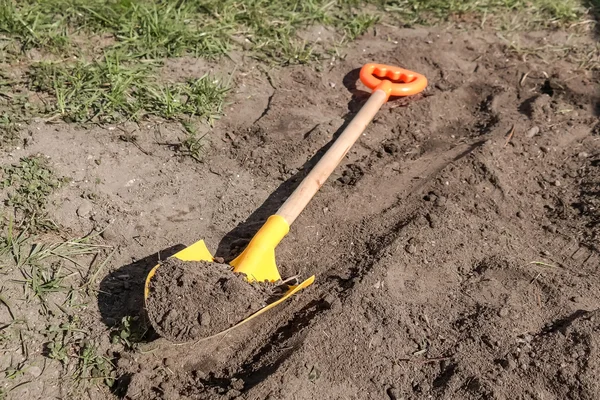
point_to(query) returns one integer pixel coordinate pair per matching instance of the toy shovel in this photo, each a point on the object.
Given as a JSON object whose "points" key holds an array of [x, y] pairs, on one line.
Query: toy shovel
{"points": [[257, 261]]}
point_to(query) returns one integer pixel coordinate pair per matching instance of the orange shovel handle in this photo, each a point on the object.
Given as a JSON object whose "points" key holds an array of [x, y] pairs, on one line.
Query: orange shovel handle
{"points": [[398, 81]]}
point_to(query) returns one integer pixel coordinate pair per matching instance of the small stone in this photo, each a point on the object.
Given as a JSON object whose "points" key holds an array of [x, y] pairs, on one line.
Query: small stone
{"points": [[520, 214], [237, 384], [545, 196], [433, 221], [532, 132], [410, 248], [85, 209], [441, 86], [544, 149], [330, 300], [392, 393], [430, 197], [204, 319], [504, 311], [583, 154], [219, 260], [576, 299], [440, 201], [34, 371], [512, 364], [109, 234], [390, 148], [169, 362], [551, 228], [556, 183]]}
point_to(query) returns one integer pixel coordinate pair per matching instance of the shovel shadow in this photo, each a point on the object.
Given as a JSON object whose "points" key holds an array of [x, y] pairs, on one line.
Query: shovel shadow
{"points": [[121, 293]]}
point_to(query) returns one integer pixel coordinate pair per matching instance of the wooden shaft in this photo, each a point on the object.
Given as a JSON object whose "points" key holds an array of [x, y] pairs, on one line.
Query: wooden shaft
{"points": [[294, 205]]}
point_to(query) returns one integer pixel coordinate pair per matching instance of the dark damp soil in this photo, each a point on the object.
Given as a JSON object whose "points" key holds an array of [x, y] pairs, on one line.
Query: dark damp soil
{"points": [[195, 300]]}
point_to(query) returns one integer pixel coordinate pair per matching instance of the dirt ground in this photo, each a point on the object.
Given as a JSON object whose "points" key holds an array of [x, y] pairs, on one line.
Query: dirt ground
{"points": [[455, 249]]}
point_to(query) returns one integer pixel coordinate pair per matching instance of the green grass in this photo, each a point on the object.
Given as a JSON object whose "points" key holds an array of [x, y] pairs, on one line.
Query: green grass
{"points": [[29, 183], [114, 91], [9, 130], [22, 249], [33, 24], [79, 356], [47, 268], [152, 29], [40, 282], [193, 145], [83, 91], [15, 109], [15, 372], [155, 29], [92, 367], [539, 12], [129, 332]]}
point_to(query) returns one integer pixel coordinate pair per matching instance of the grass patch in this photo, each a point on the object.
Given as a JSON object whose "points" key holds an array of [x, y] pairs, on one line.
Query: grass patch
{"points": [[84, 91], [539, 12], [208, 28], [129, 332], [29, 183], [151, 29], [68, 346], [114, 91], [92, 367], [22, 249], [43, 268], [33, 24], [15, 110], [9, 130], [193, 143], [40, 282]]}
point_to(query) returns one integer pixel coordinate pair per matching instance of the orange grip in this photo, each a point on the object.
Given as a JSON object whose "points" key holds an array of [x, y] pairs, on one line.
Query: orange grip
{"points": [[399, 82]]}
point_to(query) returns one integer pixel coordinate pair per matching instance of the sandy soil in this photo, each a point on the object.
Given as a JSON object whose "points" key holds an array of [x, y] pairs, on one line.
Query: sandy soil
{"points": [[455, 250]]}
